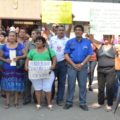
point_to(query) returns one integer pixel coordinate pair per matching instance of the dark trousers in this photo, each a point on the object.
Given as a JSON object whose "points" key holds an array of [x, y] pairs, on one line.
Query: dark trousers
{"points": [[60, 73], [108, 80], [27, 91], [91, 67]]}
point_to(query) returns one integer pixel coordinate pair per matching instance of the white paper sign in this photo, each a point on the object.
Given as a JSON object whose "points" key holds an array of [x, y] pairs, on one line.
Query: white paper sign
{"points": [[39, 70], [12, 54], [105, 19]]}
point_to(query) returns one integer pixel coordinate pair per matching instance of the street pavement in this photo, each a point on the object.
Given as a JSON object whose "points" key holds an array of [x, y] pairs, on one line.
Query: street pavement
{"points": [[29, 112]]}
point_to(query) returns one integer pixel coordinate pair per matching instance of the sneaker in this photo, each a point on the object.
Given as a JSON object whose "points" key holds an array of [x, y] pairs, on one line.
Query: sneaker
{"points": [[67, 106], [84, 107]]}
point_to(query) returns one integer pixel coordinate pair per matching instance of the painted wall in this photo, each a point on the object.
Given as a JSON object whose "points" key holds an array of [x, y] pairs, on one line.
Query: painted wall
{"points": [[20, 9]]}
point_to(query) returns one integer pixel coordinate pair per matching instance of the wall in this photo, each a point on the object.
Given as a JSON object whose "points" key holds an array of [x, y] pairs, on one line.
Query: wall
{"points": [[20, 9]]}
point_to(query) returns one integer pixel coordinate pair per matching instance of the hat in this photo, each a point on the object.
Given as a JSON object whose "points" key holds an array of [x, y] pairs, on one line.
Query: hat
{"points": [[12, 28]]}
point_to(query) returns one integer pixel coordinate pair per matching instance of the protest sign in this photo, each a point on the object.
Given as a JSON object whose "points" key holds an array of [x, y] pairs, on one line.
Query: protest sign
{"points": [[57, 12], [105, 20], [39, 70]]}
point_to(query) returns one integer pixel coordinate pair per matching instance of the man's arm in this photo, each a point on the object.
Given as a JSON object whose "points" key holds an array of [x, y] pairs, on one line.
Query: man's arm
{"points": [[95, 42], [86, 60], [68, 31], [68, 59]]}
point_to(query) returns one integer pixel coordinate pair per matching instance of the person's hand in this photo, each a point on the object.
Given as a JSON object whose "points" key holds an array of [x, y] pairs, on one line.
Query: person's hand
{"points": [[26, 68], [91, 37], [52, 67], [75, 66], [8, 61], [40, 15], [79, 66], [73, 16], [16, 59]]}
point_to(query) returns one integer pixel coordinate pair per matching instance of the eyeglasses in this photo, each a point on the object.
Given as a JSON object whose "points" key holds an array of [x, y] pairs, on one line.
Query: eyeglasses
{"points": [[78, 30]]}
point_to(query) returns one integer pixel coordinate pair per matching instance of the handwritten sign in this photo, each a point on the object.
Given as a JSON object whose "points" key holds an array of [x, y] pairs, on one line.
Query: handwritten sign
{"points": [[39, 70], [105, 19], [57, 12]]}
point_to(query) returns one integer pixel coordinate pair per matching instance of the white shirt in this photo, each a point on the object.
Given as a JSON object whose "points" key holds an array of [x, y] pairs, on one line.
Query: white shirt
{"points": [[58, 45]]}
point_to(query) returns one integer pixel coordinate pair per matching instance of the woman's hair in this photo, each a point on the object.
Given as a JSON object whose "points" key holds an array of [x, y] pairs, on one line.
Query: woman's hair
{"points": [[107, 36], [13, 32], [40, 38], [3, 33]]}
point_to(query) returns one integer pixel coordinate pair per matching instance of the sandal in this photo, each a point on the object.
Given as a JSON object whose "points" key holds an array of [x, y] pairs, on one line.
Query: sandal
{"points": [[50, 107], [16, 105], [7, 106], [38, 106], [108, 108], [96, 106]]}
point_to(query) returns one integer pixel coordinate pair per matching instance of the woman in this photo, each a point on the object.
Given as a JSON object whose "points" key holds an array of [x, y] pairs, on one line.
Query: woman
{"points": [[106, 72], [3, 36], [12, 80], [2, 42], [117, 67], [41, 53]]}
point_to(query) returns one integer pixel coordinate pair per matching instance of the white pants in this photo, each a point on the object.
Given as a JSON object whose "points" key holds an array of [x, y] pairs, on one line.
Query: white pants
{"points": [[44, 84]]}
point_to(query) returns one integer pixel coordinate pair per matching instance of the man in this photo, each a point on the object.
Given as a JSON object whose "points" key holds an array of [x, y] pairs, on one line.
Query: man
{"points": [[48, 33], [57, 43], [22, 35], [30, 45], [77, 53]]}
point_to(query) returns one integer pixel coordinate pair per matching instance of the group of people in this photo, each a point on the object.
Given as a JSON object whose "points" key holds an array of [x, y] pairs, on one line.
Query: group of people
{"points": [[75, 58]]}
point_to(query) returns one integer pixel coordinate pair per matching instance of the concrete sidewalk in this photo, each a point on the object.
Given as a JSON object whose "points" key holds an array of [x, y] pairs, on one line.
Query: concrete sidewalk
{"points": [[29, 112]]}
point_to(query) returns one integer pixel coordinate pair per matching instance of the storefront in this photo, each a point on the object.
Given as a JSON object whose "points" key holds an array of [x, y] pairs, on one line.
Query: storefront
{"points": [[20, 13]]}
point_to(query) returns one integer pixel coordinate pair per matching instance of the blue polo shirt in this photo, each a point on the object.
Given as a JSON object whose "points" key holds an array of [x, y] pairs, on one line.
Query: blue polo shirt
{"points": [[78, 50]]}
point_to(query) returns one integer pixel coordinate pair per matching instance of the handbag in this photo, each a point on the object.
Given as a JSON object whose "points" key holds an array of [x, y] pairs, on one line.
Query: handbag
{"points": [[49, 54]]}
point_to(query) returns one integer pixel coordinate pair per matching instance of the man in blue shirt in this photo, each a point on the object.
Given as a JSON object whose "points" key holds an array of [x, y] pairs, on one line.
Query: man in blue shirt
{"points": [[77, 53]]}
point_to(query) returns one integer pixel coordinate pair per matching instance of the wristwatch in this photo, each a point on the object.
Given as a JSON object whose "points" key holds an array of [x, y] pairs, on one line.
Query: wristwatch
{"points": [[82, 64]]}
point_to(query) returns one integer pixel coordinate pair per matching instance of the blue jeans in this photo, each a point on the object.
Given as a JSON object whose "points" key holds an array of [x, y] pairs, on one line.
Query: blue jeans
{"points": [[116, 86], [60, 73], [82, 80]]}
